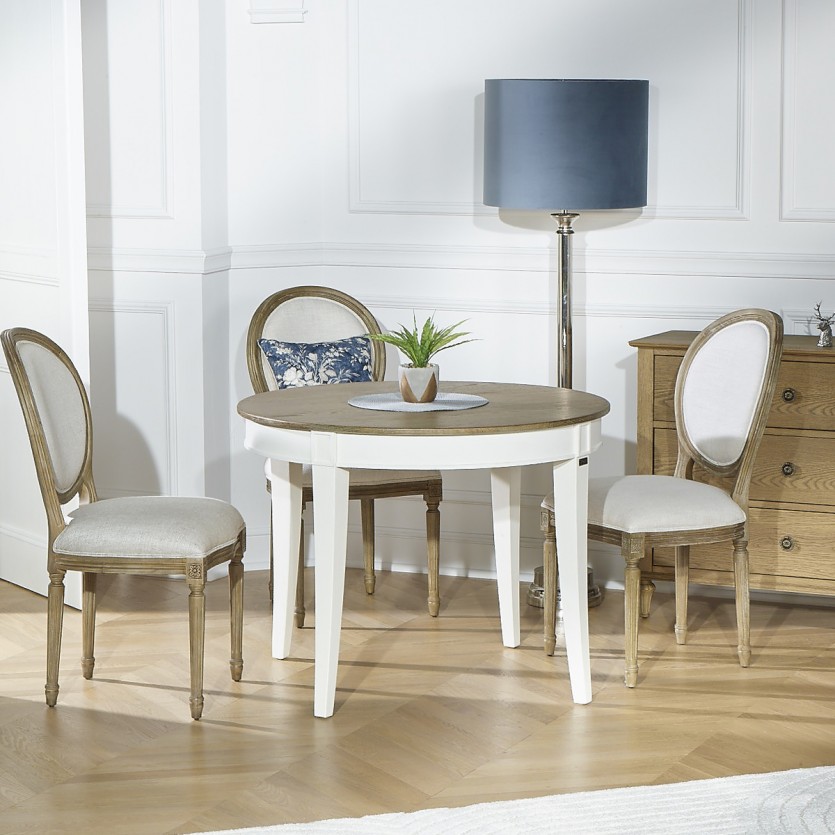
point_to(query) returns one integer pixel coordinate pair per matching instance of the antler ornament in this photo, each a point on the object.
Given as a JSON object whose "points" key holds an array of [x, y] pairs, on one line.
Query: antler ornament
{"points": [[824, 326]]}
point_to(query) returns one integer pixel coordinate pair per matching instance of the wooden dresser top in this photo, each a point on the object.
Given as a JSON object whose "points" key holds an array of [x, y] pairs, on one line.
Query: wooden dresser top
{"points": [[800, 346]]}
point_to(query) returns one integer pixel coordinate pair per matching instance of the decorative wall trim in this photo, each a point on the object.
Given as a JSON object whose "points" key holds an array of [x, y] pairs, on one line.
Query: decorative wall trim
{"points": [[165, 210], [789, 210], [168, 383], [30, 265], [738, 210], [536, 259], [475, 258], [26, 537], [269, 11], [180, 261]]}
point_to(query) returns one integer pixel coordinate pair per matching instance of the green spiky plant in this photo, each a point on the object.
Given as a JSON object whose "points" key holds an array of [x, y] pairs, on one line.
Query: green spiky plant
{"points": [[419, 344]]}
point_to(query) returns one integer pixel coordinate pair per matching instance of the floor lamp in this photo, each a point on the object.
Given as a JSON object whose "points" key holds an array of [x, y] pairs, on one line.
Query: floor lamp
{"points": [[565, 146]]}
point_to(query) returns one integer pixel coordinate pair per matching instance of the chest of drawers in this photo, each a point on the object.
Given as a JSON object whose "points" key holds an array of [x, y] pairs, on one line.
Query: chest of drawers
{"points": [[792, 497]]}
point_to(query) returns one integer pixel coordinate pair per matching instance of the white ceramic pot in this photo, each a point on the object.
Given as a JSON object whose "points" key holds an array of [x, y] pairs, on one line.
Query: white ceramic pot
{"points": [[418, 385]]}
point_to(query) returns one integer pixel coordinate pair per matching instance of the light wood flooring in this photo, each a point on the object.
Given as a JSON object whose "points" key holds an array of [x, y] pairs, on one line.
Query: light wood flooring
{"points": [[429, 712]]}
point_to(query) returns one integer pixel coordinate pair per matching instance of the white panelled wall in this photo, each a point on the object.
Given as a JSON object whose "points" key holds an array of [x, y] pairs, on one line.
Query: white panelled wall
{"points": [[235, 148]]}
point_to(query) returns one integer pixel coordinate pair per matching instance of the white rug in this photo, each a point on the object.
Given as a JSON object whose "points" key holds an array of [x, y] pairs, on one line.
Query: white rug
{"points": [[799, 801]]}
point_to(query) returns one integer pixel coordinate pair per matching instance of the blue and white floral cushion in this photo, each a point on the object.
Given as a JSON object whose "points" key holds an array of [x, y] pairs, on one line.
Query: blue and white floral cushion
{"points": [[297, 364]]}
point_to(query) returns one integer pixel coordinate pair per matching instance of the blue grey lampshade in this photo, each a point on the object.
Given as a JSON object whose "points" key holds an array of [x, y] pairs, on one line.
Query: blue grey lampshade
{"points": [[565, 144]]}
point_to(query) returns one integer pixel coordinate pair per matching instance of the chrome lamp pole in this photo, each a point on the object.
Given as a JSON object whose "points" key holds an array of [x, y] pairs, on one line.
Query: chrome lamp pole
{"points": [[565, 336]]}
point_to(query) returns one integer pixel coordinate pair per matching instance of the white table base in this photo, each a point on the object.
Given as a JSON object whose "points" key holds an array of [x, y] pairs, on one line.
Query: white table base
{"points": [[330, 490]]}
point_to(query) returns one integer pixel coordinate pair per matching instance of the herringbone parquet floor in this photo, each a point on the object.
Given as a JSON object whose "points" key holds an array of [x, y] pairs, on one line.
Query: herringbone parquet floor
{"points": [[430, 712]]}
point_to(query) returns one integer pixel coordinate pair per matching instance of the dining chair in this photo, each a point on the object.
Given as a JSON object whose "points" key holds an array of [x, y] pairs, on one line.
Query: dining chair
{"points": [[722, 396], [311, 335], [157, 535]]}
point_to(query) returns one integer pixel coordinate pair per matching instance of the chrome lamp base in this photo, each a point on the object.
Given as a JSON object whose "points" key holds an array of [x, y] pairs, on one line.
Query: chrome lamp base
{"points": [[536, 591]]}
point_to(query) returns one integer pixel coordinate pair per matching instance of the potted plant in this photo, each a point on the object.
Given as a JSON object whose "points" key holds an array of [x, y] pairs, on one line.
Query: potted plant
{"points": [[418, 377]]}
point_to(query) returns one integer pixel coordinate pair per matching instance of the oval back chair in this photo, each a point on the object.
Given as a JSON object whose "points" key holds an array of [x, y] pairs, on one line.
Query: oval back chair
{"points": [[314, 315], [722, 395], [161, 535]]}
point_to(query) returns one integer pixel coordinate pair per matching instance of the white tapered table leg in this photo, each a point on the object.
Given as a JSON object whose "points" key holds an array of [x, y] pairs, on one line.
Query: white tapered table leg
{"points": [[286, 492], [330, 502], [505, 484], [571, 493]]}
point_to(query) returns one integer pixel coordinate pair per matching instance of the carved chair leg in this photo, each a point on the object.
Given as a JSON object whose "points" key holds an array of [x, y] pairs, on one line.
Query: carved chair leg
{"points": [[299, 612], [54, 622], [433, 553], [632, 548], [549, 581], [367, 516], [743, 604], [682, 584], [236, 612], [647, 589], [88, 624], [196, 578]]}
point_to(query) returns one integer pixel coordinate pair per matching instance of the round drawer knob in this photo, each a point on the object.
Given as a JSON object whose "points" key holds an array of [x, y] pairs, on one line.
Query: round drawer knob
{"points": [[788, 468], [787, 543], [789, 395]]}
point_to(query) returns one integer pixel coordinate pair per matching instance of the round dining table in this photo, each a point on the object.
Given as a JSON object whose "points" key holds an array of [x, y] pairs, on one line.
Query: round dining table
{"points": [[519, 425]]}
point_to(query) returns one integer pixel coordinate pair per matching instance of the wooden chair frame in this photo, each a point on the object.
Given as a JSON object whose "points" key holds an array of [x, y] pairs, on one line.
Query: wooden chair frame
{"points": [[633, 546], [428, 485], [83, 487]]}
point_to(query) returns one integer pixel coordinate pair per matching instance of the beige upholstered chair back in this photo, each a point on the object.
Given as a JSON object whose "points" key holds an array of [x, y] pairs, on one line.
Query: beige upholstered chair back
{"points": [[308, 314], [57, 415], [724, 390]]}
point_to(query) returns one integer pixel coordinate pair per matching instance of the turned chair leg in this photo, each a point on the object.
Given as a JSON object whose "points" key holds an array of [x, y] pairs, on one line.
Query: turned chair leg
{"points": [[647, 588], [549, 581], [54, 623], [196, 578], [88, 624], [632, 549], [682, 582], [236, 613], [367, 517], [433, 552], [743, 605]]}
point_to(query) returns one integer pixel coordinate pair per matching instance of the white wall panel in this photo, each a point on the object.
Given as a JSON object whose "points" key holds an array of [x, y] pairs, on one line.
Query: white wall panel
{"points": [[27, 73], [129, 124], [132, 399], [808, 113]]}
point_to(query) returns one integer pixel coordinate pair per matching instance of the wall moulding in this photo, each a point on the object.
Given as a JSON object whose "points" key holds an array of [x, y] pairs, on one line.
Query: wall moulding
{"points": [[269, 11], [32, 265], [445, 257], [181, 261], [536, 259]]}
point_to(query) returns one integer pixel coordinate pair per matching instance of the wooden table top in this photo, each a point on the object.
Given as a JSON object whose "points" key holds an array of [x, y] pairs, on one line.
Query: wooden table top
{"points": [[511, 407]]}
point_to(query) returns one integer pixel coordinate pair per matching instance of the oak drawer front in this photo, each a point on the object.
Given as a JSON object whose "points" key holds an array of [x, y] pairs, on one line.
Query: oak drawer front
{"points": [[788, 468], [789, 543], [804, 397]]}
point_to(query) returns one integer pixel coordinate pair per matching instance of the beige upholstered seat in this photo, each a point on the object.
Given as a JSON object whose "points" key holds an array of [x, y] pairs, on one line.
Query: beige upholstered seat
{"points": [[161, 535], [314, 314], [723, 392]]}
